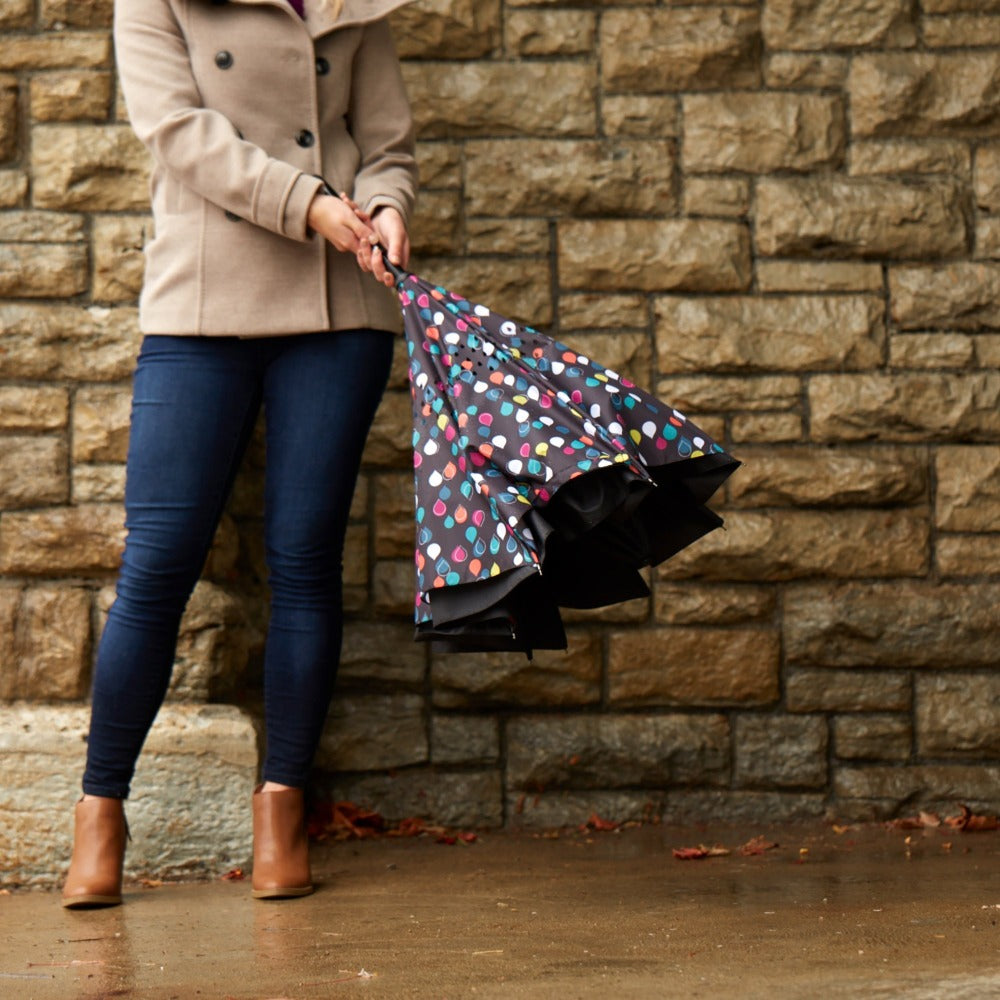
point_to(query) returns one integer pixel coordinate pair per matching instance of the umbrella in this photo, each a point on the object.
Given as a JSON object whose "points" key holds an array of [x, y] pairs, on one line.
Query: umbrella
{"points": [[542, 478]]}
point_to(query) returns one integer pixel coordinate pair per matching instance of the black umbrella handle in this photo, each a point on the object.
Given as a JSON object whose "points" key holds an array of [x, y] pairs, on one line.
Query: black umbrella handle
{"points": [[397, 272]]}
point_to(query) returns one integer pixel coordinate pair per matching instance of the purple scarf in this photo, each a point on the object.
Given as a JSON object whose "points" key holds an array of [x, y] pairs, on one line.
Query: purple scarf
{"points": [[299, 6]]}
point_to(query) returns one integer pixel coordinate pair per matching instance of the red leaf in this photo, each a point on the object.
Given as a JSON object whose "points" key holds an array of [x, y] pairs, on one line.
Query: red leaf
{"points": [[701, 851], [756, 845], [233, 875]]}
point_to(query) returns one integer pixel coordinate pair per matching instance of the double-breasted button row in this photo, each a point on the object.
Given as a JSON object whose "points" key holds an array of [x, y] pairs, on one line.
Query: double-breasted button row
{"points": [[322, 65], [305, 138], [223, 59]]}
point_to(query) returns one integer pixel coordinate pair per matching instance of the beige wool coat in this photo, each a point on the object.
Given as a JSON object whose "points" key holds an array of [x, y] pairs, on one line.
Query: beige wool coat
{"points": [[244, 107]]}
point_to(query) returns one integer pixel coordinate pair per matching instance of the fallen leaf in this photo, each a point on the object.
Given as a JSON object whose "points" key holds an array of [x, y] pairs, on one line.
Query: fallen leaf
{"points": [[701, 851], [596, 823], [757, 845], [151, 883], [969, 822], [233, 875]]}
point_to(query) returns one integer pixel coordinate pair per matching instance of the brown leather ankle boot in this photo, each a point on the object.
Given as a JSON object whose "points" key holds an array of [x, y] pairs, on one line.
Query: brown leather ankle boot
{"points": [[95, 870], [280, 844]]}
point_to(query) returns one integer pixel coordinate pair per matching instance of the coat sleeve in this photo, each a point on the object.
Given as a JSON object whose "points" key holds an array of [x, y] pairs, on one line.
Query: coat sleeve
{"points": [[199, 147], [382, 125]]}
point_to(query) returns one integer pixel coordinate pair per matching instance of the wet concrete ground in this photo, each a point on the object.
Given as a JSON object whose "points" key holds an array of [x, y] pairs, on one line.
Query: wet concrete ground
{"points": [[862, 913]]}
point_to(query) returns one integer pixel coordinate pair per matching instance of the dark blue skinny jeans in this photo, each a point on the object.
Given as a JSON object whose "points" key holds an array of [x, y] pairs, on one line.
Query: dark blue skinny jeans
{"points": [[194, 405]]}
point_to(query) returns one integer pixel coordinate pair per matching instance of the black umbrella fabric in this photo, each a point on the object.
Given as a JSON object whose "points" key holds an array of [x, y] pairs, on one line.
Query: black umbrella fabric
{"points": [[542, 478]]}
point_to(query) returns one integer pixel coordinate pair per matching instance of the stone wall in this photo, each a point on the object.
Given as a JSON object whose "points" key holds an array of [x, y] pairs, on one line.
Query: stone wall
{"points": [[783, 215]]}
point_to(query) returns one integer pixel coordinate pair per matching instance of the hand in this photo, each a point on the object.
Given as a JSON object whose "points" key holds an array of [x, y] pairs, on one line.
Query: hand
{"points": [[347, 229], [391, 230]]}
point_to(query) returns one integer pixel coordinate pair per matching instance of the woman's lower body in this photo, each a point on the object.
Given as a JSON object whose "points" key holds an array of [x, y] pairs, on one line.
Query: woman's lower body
{"points": [[195, 403]]}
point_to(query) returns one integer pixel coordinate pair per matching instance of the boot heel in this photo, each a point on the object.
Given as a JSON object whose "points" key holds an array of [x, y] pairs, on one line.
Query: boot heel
{"points": [[95, 870], [280, 845]]}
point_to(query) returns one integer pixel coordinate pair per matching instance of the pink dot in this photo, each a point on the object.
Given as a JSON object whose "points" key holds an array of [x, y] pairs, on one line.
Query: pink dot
{"points": [[477, 459], [525, 450], [439, 508], [576, 396], [478, 517], [449, 432], [459, 554], [486, 418], [567, 450], [661, 443], [423, 301], [461, 463], [460, 324], [545, 402], [417, 459]]}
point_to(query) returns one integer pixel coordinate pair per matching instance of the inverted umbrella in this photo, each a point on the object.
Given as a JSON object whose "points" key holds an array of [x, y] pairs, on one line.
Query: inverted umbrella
{"points": [[542, 478]]}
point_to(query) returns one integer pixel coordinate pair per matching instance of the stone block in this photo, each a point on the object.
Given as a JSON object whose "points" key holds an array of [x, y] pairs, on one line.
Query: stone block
{"points": [[447, 29], [393, 523], [33, 471], [680, 48], [78, 343], [761, 427], [922, 156], [9, 117], [901, 624], [694, 666], [455, 799], [370, 732], [393, 587], [953, 6], [905, 407], [643, 116], [16, 14], [824, 690], [818, 276], [707, 805], [942, 94], [550, 32], [761, 132], [63, 50], [986, 177], [968, 488], [710, 393], [961, 30], [465, 739], [548, 752], [501, 98], [13, 188], [437, 223], [101, 424], [519, 289], [355, 558], [44, 642], [750, 333], [728, 197], [515, 236], [74, 14], [987, 347], [33, 408], [98, 483], [440, 164], [100, 168], [686, 604], [871, 736], [782, 751], [957, 715], [789, 70], [987, 239], [43, 270], [525, 177], [118, 256], [691, 255], [389, 443], [790, 544], [931, 350], [863, 217], [62, 540], [194, 755], [967, 555], [827, 24], [550, 810], [597, 310], [551, 677], [832, 476], [959, 294], [42, 227], [70, 96], [381, 653], [934, 787]]}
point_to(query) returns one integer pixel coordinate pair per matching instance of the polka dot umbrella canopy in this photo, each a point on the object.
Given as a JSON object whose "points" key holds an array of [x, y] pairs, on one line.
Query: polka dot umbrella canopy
{"points": [[542, 478]]}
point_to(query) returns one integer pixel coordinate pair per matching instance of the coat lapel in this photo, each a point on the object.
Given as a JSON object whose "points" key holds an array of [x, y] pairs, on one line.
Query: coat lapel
{"points": [[321, 22]]}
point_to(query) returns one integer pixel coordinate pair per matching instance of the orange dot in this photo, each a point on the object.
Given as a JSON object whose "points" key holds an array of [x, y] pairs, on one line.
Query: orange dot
{"points": [[475, 566], [449, 471], [486, 450], [569, 356], [438, 581], [433, 333], [496, 378], [461, 515]]}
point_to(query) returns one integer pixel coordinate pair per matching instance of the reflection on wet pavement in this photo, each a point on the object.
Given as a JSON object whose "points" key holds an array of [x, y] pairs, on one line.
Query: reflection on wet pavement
{"points": [[863, 913]]}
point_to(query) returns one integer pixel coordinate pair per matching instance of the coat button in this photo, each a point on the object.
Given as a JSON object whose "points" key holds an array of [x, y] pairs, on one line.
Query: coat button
{"points": [[223, 59], [322, 66], [305, 138], [232, 216]]}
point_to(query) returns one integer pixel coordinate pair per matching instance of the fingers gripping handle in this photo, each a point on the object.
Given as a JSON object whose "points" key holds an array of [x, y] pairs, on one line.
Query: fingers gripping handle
{"points": [[397, 272]]}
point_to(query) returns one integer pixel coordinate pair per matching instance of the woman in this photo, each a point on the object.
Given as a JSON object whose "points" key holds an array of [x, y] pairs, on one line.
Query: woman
{"points": [[253, 295]]}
